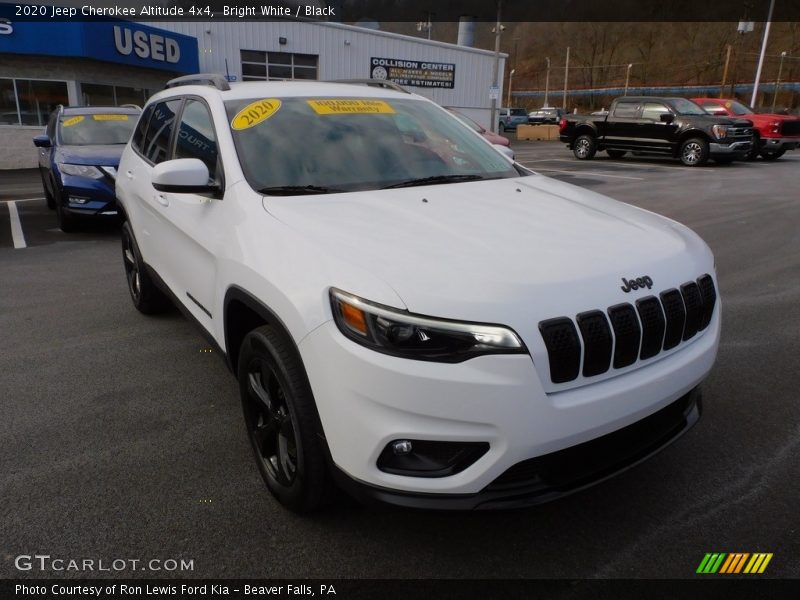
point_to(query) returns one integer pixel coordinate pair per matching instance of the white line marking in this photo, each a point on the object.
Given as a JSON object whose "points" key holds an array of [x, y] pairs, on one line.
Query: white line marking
{"points": [[23, 200], [16, 226], [591, 174]]}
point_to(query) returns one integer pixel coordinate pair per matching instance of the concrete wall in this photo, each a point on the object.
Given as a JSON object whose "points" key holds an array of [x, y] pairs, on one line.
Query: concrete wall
{"points": [[16, 148]]}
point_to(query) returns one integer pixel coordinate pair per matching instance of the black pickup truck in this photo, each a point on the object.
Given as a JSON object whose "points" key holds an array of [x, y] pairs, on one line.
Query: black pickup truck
{"points": [[669, 126]]}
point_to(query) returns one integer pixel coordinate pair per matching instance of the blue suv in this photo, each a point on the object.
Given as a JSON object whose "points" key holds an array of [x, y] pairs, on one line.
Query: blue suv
{"points": [[78, 159]]}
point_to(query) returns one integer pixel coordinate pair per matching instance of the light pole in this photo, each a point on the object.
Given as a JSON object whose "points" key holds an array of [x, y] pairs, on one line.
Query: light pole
{"points": [[627, 78], [761, 57], [566, 78], [778, 82], [510, 82], [547, 81]]}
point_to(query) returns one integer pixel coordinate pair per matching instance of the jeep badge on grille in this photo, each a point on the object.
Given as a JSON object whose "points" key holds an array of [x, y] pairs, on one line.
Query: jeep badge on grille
{"points": [[635, 284]]}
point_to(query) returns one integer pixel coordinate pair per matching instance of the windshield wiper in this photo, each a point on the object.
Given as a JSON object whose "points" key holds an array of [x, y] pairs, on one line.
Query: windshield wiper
{"points": [[298, 190], [436, 179]]}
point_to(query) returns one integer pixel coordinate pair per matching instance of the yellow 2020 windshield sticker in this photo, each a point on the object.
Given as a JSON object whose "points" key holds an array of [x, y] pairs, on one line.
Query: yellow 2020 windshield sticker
{"points": [[350, 106], [255, 113], [110, 117], [72, 121]]}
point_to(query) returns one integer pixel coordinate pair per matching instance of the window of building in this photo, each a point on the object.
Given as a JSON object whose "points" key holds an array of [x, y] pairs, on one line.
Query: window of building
{"points": [[94, 94], [8, 103], [30, 102], [276, 66], [196, 138]]}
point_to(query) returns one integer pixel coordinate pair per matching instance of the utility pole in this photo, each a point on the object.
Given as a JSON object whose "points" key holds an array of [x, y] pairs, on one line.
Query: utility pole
{"points": [[763, 52], [627, 78], [496, 70], [566, 79], [547, 81], [778, 82], [725, 72]]}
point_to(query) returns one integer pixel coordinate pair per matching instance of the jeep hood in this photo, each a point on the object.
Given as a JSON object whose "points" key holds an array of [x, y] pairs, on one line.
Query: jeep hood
{"points": [[503, 251]]}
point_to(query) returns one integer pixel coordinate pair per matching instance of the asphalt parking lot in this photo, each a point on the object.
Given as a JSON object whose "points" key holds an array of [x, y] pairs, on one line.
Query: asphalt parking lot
{"points": [[122, 436]]}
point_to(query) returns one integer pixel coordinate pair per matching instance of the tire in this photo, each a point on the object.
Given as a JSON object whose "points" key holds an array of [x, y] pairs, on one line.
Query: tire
{"points": [[67, 222], [772, 154], [584, 147], [281, 420], [616, 153], [694, 152], [51, 201], [755, 149], [145, 295]]}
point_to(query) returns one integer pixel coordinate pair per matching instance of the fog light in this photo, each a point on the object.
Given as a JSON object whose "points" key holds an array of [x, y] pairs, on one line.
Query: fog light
{"points": [[401, 447], [428, 458], [77, 200]]}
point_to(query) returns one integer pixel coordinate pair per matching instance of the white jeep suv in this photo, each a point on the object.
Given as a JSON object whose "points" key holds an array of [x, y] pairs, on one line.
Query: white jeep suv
{"points": [[410, 315]]}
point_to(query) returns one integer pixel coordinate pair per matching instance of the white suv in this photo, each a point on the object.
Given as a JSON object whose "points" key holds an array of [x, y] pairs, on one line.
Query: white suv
{"points": [[411, 315]]}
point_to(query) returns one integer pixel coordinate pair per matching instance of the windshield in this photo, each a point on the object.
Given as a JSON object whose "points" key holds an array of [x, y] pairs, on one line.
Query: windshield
{"points": [[518, 112], [87, 130], [687, 107], [329, 145], [466, 120]]}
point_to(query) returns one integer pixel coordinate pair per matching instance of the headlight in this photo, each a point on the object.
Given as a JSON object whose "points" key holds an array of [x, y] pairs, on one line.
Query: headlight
{"points": [[401, 333], [81, 170], [720, 131]]}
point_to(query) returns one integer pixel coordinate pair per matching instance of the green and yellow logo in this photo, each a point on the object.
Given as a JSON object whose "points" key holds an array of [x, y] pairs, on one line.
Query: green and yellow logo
{"points": [[735, 562]]}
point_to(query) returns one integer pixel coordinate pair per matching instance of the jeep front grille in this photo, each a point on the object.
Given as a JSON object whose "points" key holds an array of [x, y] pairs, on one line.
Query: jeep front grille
{"points": [[627, 334]]}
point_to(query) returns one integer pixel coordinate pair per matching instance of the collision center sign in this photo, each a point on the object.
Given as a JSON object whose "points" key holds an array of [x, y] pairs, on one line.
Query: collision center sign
{"points": [[413, 72]]}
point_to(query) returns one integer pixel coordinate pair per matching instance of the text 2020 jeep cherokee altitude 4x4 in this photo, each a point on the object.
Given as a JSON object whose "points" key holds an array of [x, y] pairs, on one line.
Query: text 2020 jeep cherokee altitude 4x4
{"points": [[410, 315]]}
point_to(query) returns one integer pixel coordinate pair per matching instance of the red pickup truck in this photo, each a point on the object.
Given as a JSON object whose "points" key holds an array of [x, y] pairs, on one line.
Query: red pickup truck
{"points": [[773, 134]]}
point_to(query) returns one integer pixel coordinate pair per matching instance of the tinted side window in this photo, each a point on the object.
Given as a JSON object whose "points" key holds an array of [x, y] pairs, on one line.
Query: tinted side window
{"points": [[141, 128], [653, 111], [625, 109], [196, 137], [159, 131]]}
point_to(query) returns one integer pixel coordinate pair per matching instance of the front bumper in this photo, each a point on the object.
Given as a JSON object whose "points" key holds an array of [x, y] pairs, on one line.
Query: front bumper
{"points": [[734, 148], [88, 197], [367, 400], [779, 143], [558, 474]]}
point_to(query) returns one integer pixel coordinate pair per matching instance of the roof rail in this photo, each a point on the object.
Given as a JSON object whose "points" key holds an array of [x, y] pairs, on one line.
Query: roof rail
{"points": [[218, 81], [382, 83]]}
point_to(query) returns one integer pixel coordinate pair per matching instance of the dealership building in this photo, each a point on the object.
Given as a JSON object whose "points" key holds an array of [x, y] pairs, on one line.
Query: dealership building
{"points": [[113, 62]]}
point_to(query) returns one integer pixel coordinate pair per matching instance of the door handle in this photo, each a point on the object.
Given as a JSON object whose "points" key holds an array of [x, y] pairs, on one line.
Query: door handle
{"points": [[162, 200], [129, 174]]}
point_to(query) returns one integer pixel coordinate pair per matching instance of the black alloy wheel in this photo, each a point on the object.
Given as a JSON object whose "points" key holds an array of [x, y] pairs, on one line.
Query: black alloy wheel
{"points": [[282, 421], [146, 296]]}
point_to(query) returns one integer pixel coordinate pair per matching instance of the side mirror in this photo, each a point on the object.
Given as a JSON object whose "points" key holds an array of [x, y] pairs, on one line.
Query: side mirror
{"points": [[183, 176], [505, 150], [667, 117], [41, 141]]}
